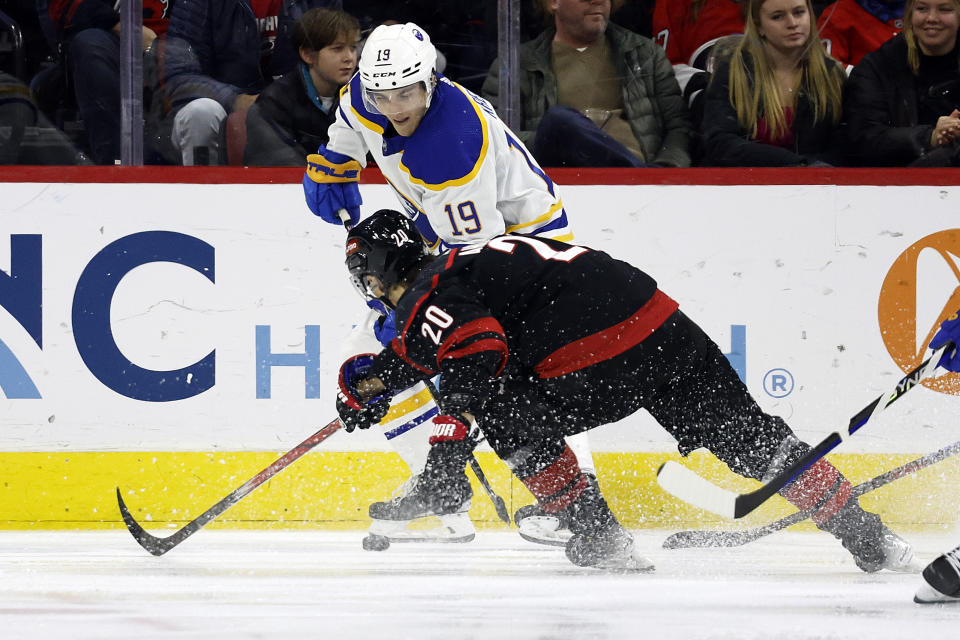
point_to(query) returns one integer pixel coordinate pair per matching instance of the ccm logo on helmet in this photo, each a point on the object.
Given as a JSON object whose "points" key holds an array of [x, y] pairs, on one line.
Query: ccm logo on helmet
{"points": [[352, 247], [385, 75]]}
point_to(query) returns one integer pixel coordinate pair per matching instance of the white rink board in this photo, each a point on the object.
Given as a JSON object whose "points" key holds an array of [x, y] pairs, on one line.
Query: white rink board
{"points": [[799, 266]]}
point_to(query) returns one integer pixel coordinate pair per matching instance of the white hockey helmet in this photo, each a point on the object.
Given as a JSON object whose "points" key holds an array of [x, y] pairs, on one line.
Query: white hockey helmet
{"points": [[396, 56]]}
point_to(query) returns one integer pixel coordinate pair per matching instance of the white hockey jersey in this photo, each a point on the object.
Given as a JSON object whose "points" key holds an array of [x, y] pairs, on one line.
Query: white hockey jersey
{"points": [[462, 177]]}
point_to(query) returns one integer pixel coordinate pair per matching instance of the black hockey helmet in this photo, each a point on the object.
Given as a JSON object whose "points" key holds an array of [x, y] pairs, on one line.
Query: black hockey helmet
{"points": [[381, 251]]}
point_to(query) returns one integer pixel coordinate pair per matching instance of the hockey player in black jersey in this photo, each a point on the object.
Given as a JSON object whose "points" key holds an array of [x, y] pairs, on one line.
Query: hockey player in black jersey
{"points": [[535, 339]]}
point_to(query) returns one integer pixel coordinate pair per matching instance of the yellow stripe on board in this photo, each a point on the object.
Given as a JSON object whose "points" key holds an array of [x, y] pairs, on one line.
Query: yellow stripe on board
{"points": [[331, 490]]}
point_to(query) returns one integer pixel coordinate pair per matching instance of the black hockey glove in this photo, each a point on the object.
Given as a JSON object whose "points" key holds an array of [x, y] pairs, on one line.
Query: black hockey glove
{"points": [[443, 486], [353, 412]]}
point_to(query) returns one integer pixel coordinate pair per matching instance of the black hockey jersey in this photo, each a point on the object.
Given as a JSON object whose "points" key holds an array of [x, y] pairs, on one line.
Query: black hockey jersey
{"points": [[545, 307]]}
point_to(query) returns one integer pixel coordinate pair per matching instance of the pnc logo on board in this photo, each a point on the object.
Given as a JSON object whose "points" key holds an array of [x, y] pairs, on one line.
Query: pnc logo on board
{"points": [[921, 289]]}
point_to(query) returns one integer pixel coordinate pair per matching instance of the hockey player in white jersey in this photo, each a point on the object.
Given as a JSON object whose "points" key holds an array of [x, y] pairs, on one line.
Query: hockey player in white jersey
{"points": [[463, 178]]}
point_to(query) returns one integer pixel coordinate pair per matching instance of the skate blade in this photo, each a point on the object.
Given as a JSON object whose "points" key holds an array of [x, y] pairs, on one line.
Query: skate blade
{"points": [[441, 540], [630, 567], [398, 531], [928, 595], [543, 530], [558, 542]]}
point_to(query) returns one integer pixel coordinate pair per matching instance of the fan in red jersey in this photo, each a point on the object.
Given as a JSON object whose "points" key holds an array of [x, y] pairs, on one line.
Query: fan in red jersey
{"points": [[850, 29]]}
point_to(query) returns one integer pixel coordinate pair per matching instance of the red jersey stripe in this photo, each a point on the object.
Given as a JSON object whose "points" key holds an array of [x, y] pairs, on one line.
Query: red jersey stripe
{"points": [[610, 342]]}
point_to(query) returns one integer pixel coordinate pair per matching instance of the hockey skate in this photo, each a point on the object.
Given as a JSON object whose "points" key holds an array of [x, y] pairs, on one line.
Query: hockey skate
{"points": [[941, 580], [537, 526], [392, 520], [872, 544], [612, 549], [598, 540]]}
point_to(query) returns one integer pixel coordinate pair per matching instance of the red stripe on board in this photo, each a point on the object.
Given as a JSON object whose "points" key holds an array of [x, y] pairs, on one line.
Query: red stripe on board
{"points": [[372, 175]]}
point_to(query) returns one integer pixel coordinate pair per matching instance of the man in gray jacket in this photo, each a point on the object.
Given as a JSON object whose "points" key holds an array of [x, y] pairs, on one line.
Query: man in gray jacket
{"points": [[595, 94]]}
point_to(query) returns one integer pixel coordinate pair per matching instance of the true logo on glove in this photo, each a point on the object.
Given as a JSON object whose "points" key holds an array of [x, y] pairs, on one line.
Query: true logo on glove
{"points": [[322, 170]]}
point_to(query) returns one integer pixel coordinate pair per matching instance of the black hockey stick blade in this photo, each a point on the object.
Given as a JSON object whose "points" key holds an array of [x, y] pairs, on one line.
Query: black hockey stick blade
{"points": [[705, 538], [153, 544], [159, 546], [497, 501], [693, 489]]}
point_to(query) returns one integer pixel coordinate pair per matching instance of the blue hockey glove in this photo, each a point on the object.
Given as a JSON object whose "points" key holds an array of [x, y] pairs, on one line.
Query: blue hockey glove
{"points": [[385, 328], [330, 184], [353, 411], [379, 306], [949, 332]]}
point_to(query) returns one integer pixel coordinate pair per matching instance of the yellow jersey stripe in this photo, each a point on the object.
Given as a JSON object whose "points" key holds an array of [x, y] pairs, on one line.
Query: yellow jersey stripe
{"points": [[549, 215], [373, 126], [485, 132], [405, 408]]}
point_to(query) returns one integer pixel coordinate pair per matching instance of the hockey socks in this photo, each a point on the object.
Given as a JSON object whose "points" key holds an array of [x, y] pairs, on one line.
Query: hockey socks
{"points": [[863, 534], [822, 487], [562, 489], [557, 484]]}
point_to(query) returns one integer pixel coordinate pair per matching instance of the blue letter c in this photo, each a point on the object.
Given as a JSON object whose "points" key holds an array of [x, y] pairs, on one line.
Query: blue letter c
{"points": [[91, 316]]}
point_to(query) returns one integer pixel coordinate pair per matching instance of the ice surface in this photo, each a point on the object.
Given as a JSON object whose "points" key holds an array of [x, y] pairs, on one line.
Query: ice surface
{"points": [[294, 584]]}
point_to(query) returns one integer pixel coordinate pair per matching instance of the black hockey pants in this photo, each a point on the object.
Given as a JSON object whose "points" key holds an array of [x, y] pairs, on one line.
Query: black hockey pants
{"points": [[678, 374]]}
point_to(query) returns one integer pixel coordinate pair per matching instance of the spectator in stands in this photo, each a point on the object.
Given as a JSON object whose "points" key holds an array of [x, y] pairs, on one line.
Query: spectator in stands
{"points": [[595, 94], [635, 15], [219, 57], [778, 99], [688, 29], [291, 116], [88, 31], [903, 100], [37, 48], [26, 136], [850, 29]]}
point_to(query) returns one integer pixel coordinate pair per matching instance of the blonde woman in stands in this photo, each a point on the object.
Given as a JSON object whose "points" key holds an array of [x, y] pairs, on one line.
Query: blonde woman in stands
{"points": [[902, 104], [777, 99]]}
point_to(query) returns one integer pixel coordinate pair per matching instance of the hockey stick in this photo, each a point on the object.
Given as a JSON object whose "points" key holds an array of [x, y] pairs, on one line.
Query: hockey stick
{"points": [[497, 501], [703, 538], [690, 487], [159, 546]]}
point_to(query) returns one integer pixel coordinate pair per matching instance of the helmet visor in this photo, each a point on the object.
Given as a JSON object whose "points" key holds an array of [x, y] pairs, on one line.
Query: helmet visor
{"points": [[369, 286], [396, 102]]}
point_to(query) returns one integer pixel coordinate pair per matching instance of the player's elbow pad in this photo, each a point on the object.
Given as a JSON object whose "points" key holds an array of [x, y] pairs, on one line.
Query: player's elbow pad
{"points": [[330, 186]]}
